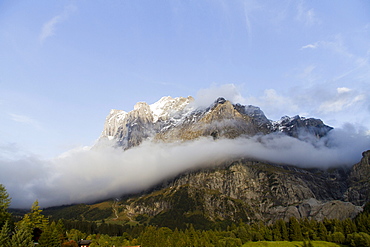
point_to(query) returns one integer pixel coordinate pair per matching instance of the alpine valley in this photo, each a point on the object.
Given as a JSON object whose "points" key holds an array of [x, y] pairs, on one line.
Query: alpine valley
{"points": [[233, 189]]}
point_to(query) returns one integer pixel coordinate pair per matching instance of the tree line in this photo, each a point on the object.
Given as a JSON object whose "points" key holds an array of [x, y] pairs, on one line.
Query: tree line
{"points": [[36, 227]]}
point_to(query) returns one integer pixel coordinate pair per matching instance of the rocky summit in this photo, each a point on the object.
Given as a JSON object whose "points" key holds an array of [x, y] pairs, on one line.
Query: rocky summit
{"points": [[178, 119], [236, 189]]}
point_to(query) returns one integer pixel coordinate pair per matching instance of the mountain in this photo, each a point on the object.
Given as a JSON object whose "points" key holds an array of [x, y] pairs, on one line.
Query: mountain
{"points": [[237, 189], [174, 119], [243, 190], [130, 129], [358, 190]]}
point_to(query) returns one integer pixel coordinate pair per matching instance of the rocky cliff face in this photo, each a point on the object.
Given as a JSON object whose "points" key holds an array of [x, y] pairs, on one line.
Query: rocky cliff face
{"points": [[241, 189], [359, 181], [247, 190], [222, 119], [132, 128], [174, 119], [300, 127]]}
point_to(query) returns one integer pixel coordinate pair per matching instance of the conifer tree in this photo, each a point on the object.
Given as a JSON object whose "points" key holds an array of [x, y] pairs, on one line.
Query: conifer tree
{"points": [[50, 236], [348, 227], [175, 239], [305, 228], [4, 235], [359, 239], [22, 236], [4, 204], [61, 230], [322, 232], [337, 237], [276, 234], [242, 233], [280, 224], [35, 219], [213, 239], [75, 235], [148, 237], [192, 234], [295, 233]]}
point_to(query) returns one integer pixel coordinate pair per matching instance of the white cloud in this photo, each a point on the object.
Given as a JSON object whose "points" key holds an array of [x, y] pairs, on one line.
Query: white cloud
{"points": [[49, 27], [248, 7], [310, 46], [345, 98], [205, 97], [20, 118], [274, 104], [87, 175], [336, 45], [25, 120], [305, 15], [343, 90], [334, 106], [308, 74]]}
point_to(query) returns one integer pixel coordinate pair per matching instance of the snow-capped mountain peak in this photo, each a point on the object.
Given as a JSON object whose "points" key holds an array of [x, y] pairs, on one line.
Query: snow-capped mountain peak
{"points": [[174, 119], [113, 121], [167, 106]]}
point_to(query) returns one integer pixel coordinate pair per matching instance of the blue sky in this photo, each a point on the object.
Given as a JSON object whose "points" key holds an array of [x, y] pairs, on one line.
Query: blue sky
{"points": [[65, 64]]}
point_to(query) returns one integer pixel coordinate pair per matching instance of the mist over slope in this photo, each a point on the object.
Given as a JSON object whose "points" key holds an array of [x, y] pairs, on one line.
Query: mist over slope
{"points": [[107, 170]]}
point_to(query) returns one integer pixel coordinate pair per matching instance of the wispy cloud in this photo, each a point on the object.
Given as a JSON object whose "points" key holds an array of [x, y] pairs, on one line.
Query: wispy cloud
{"points": [[248, 25], [249, 11], [308, 70], [341, 90], [24, 120], [275, 105], [338, 105], [310, 46], [344, 98], [112, 172], [49, 27], [306, 15], [337, 48], [206, 97], [87, 175], [336, 45]]}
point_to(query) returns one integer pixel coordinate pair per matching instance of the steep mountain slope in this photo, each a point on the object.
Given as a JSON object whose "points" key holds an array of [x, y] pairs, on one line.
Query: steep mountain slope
{"points": [[359, 181], [174, 119], [130, 129], [244, 190], [240, 189]]}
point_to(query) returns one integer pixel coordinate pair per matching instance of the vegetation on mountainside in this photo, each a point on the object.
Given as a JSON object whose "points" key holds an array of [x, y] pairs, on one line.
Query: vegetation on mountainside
{"points": [[34, 226], [79, 212], [4, 204], [239, 190]]}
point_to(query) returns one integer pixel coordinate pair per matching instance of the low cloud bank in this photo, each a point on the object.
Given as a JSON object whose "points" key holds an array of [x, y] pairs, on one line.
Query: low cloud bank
{"points": [[86, 175]]}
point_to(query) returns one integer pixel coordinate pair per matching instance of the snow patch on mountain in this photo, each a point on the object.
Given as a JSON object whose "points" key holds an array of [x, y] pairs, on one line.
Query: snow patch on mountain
{"points": [[167, 107], [165, 113], [172, 119], [114, 120]]}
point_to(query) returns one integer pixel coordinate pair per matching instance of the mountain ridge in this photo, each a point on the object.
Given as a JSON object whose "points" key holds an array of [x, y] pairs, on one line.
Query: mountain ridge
{"points": [[174, 119], [242, 189], [234, 189]]}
